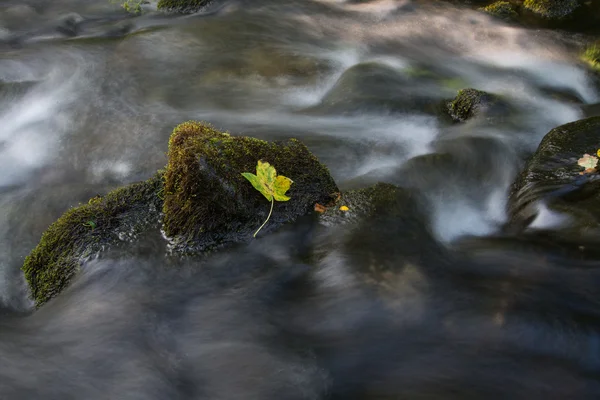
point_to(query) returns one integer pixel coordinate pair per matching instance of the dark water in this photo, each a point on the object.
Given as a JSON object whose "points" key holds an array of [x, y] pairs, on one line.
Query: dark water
{"points": [[394, 308]]}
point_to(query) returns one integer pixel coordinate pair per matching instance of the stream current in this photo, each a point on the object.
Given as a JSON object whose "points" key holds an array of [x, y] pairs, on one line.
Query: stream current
{"points": [[88, 97]]}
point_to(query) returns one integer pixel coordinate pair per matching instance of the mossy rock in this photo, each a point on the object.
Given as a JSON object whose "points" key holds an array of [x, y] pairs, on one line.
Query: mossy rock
{"points": [[470, 103], [502, 9], [591, 55], [208, 203], [88, 229], [552, 175], [182, 6], [552, 9]]}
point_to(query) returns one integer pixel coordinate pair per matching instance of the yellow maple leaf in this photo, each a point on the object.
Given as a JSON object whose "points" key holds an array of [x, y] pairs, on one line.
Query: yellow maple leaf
{"points": [[271, 185]]}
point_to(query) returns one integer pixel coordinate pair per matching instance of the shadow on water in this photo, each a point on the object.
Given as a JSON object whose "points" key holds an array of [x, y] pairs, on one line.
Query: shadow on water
{"points": [[485, 322]]}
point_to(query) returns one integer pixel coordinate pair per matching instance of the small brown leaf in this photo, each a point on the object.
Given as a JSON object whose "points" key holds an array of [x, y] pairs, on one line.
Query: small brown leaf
{"points": [[588, 171], [320, 208]]}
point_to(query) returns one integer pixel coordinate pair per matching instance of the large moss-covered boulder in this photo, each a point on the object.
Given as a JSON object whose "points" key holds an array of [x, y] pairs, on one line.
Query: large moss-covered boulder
{"points": [[182, 6], [553, 176], [208, 203], [552, 9], [470, 103], [88, 229]]}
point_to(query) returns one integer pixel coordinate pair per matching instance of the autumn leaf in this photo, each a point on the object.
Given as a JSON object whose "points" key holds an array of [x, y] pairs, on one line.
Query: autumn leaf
{"points": [[320, 208], [588, 162], [282, 185], [344, 208], [267, 182]]}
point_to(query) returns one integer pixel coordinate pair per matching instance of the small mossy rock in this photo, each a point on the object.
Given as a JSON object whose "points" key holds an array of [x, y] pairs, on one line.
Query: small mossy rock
{"points": [[182, 6], [88, 229], [591, 55], [470, 103], [502, 9], [553, 176], [208, 203], [552, 9], [375, 87]]}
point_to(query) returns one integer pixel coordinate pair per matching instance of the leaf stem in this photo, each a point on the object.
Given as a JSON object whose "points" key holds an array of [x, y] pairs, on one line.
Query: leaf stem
{"points": [[269, 216]]}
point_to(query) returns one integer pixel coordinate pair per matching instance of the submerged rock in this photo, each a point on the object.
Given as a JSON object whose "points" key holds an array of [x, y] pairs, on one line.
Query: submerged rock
{"points": [[208, 203], [552, 9], [375, 87], [470, 103], [182, 6], [86, 230], [384, 235], [11, 90], [553, 176], [502, 9]]}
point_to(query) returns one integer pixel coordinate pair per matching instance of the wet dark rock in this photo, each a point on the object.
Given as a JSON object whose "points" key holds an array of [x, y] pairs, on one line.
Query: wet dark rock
{"points": [[209, 204], [553, 176], [591, 110], [69, 25], [470, 103], [572, 15], [575, 15], [182, 6]]}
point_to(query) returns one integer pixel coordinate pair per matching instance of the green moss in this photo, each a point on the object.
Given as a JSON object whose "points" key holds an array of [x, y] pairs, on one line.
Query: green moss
{"points": [[132, 6], [86, 230], [464, 104], [208, 203], [501, 9], [552, 9], [591, 55], [182, 6], [469, 103]]}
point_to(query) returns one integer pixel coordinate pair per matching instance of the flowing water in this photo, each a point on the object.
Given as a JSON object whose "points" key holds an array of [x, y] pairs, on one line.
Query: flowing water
{"points": [[89, 95]]}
